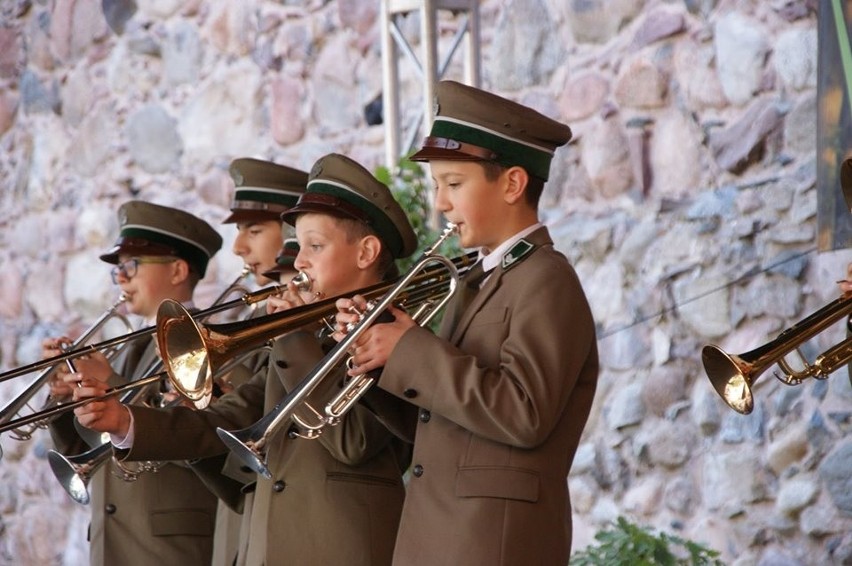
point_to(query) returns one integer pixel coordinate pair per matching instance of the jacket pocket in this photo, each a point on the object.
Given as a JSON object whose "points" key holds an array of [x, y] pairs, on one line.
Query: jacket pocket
{"points": [[501, 482], [181, 522]]}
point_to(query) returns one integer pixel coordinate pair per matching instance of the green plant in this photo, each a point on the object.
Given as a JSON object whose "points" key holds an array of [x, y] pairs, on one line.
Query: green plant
{"points": [[629, 544]]}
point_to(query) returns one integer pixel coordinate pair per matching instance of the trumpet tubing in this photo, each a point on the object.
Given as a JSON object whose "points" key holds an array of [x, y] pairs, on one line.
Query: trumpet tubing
{"points": [[74, 351], [247, 299], [75, 472], [733, 375], [65, 407], [23, 398], [250, 444]]}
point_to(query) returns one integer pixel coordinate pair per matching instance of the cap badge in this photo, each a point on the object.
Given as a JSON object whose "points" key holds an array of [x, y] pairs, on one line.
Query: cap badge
{"points": [[516, 253], [316, 169]]}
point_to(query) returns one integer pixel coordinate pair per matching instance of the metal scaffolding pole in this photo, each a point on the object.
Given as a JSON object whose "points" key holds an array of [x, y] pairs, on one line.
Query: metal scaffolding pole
{"points": [[428, 66]]}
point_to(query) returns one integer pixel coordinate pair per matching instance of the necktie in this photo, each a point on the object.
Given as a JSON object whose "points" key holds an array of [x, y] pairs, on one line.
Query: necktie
{"points": [[467, 290]]}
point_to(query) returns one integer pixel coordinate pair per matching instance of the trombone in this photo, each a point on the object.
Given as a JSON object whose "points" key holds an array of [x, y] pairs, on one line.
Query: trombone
{"points": [[733, 376], [301, 280], [110, 348], [246, 300], [250, 444], [75, 472], [22, 400]]}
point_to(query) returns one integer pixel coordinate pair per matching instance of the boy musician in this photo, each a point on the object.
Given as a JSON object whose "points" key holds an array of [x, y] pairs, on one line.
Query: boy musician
{"points": [[505, 390], [336, 499], [263, 191], [166, 516]]}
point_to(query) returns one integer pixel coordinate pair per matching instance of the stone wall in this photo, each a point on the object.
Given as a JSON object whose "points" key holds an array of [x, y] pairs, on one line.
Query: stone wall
{"points": [[687, 202]]}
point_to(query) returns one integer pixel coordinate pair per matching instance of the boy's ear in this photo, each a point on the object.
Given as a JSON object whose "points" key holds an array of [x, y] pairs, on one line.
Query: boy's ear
{"points": [[180, 271], [369, 251], [516, 184]]}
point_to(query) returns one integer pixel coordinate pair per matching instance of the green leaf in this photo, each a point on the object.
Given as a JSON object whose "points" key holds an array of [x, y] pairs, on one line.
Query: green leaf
{"points": [[626, 543]]}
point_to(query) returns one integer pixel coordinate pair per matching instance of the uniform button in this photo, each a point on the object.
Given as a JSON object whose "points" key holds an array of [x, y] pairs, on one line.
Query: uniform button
{"points": [[410, 393], [109, 508], [417, 471], [278, 486], [282, 364], [425, 415]]}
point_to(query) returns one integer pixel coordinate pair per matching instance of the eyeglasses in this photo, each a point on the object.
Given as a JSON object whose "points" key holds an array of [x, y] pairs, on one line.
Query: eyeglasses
{"points": [[131, 266]]}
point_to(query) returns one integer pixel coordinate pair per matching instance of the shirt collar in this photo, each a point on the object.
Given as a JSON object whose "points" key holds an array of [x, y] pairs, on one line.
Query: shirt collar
{"points": [[492, 259]]}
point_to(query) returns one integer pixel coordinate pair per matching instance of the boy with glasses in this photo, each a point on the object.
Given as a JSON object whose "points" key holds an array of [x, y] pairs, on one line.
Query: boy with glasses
{"points": [[335, 500], [166, 516]]}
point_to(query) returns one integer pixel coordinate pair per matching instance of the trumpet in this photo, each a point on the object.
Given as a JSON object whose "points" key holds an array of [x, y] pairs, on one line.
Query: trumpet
{"points": [[15, 406], [250, 444], [733, 376]]}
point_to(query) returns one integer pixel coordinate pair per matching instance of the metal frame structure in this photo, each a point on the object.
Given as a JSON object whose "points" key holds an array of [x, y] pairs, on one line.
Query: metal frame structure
{"points": [[394, 43]]}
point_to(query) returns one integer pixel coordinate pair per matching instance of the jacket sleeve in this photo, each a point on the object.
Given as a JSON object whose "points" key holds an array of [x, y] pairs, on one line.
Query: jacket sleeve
{"points": [[523, 353], [181, 433]]}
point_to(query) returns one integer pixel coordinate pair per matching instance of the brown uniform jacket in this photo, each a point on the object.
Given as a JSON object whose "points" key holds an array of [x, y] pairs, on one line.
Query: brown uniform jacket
{"points": [[331, 501], [226, 477], [166, 517], [503, 404]]}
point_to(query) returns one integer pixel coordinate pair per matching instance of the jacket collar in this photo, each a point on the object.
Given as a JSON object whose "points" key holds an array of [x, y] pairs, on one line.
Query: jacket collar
{"points": [[538, 238]]}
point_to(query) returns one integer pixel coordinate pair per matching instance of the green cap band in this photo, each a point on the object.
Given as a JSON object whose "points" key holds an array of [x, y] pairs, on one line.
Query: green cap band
{"points": [[510, 151]]}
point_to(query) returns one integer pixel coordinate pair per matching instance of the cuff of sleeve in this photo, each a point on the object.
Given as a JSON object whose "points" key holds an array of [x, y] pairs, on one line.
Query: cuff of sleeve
{"points": [[125, 443]]}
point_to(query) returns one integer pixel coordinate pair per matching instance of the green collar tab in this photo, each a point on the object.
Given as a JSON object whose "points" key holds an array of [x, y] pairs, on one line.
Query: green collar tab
{"points": [[516, 253]]}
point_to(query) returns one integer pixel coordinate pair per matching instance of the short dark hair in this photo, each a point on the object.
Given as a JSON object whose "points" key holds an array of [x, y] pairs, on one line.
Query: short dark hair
{"points": [[535, 186], [355, 230]]}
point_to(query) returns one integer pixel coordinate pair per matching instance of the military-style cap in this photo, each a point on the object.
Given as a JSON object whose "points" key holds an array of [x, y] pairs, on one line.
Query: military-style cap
{"points": [[152, 229], [846, 182], [263, 189], [341, 187], [285, 260], [474, 125]]}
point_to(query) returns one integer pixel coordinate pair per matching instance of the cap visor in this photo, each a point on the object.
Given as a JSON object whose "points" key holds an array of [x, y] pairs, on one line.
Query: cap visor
{"points": [[135, 250], [239, 216]]}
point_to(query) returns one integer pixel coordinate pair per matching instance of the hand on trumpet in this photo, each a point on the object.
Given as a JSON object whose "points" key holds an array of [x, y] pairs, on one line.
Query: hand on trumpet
{"points": [[289, 298], [107, 414], [94, 364], [374, 347], [51, 347]]}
